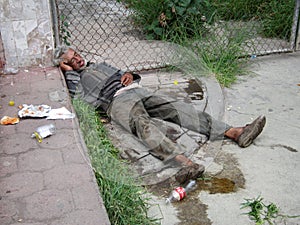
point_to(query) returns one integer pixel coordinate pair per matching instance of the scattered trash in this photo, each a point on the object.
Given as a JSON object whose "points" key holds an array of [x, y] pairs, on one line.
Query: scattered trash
{"points": [[43, 132], [34, 111], [11, 103], [10, 70], [6, 120], [253, 56], [180, 193], [60, 113], [44, 111]]}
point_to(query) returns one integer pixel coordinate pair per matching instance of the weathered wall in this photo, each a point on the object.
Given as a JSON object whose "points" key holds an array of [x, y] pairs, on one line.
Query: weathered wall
{"points": [[2, 58], [25, 27]]}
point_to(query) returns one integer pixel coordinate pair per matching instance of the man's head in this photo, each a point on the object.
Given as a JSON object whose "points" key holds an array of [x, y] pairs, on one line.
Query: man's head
{"points": [[67, 57]]}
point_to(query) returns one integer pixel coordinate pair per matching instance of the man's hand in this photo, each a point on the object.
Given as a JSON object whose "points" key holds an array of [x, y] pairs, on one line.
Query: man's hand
{"points": [[64, 66], [126, 79]]}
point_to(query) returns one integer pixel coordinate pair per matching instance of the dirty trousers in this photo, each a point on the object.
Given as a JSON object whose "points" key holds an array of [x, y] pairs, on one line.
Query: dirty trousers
{"points": [[137, 111]]}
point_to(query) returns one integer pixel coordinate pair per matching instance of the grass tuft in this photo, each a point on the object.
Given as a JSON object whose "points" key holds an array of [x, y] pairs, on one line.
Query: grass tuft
{"points": [[122, 194]]}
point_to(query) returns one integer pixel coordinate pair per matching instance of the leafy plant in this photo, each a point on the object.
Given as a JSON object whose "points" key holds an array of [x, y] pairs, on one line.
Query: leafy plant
{"points": [[64, 34], [170, 19], [277, 18], [261, 212]]}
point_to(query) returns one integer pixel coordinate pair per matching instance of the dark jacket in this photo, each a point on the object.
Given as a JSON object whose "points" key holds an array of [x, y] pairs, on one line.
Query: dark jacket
{"points": [[96, 84]]}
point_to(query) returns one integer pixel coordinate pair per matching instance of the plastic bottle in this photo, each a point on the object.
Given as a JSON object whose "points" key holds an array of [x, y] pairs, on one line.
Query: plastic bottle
{"points": [[180, 193], [43, 132]]}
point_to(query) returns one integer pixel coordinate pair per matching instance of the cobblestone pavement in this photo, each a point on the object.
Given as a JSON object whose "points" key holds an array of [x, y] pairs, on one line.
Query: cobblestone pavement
{"points": [[51, 182]]}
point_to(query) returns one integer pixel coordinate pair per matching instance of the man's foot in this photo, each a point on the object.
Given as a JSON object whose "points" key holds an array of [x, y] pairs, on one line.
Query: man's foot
{"points": [[250, 132], [189, 173]]}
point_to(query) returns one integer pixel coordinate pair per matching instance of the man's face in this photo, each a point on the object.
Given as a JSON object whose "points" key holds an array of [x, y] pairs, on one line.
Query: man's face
{"points": [[74, 60]]}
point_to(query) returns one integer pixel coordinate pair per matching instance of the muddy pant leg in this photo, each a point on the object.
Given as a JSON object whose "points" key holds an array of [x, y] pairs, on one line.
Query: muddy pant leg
{"points": [[129, 112], [185, 115]]}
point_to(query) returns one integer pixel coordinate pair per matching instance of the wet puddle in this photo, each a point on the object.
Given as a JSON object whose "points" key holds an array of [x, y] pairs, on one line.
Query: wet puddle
{"points": [[217, 185], [191, 210], [194, 90]]}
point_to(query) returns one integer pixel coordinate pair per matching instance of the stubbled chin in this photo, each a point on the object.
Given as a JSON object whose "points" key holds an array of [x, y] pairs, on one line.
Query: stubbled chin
{"points": [[83, 65]]}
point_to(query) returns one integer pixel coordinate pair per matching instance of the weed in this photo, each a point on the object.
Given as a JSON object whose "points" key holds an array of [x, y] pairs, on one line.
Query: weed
{"points": [[261, 212], [169, 19], [275, 16], [224, 55]]}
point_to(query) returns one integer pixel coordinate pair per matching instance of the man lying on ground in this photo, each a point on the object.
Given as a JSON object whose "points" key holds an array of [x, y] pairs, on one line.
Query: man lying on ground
{"points": [[120, 96]]}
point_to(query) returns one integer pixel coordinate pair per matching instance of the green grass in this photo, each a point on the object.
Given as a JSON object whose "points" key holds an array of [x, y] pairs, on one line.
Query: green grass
{"points": [[224, 60], [275, 16], [121, 193], [223, 56]]}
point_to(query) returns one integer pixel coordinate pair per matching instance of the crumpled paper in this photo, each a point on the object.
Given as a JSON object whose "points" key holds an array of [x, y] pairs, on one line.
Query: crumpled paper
{"points": [[45, 111], [33, 110], [60, 113]]}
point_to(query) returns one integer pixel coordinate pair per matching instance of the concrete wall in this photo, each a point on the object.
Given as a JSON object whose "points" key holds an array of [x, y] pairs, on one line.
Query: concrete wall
{"points": [[2, 58], [26, 30]]}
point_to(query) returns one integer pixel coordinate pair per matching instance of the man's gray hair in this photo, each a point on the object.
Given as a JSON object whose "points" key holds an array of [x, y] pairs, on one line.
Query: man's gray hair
{"points": [[58, 52]]}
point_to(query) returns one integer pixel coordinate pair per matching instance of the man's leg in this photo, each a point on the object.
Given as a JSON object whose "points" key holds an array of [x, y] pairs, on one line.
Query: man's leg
{"points": [[128, 111], [185, 115]]}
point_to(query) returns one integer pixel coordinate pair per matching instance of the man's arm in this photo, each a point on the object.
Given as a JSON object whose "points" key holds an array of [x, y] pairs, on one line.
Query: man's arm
{"points": [[126, 77], [72, 77]]}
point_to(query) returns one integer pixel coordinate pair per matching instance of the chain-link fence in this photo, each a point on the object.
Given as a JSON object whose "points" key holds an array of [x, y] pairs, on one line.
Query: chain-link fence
{"points": [[103, 31]]}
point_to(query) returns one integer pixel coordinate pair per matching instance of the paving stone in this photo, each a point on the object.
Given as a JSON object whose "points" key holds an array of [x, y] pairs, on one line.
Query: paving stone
{"points": [[7, 130], [83, 200], [74, 154], [22, 223], [56, 203], [21, 184], [60, 140], [17, 143], [29, 197], [29, 125], [67, 176], [39, 160], [8, 165], [149, 79], [7, 210], [82, 217]]}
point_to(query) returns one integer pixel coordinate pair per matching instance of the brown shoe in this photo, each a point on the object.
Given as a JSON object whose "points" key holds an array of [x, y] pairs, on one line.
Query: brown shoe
{"points": [[189, 173], [251, 131]]}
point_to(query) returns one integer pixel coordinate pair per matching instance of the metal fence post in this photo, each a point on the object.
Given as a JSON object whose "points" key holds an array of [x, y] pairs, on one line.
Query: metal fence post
{"points": [[55, 22], [297, 41]]}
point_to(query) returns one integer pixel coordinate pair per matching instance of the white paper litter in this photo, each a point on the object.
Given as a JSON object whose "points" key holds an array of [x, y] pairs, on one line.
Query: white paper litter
{"points": [[60, 113], [34, 111]]}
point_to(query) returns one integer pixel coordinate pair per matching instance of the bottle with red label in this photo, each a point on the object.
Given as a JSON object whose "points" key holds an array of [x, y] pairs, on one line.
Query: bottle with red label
{"points": [[179, 193]]}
